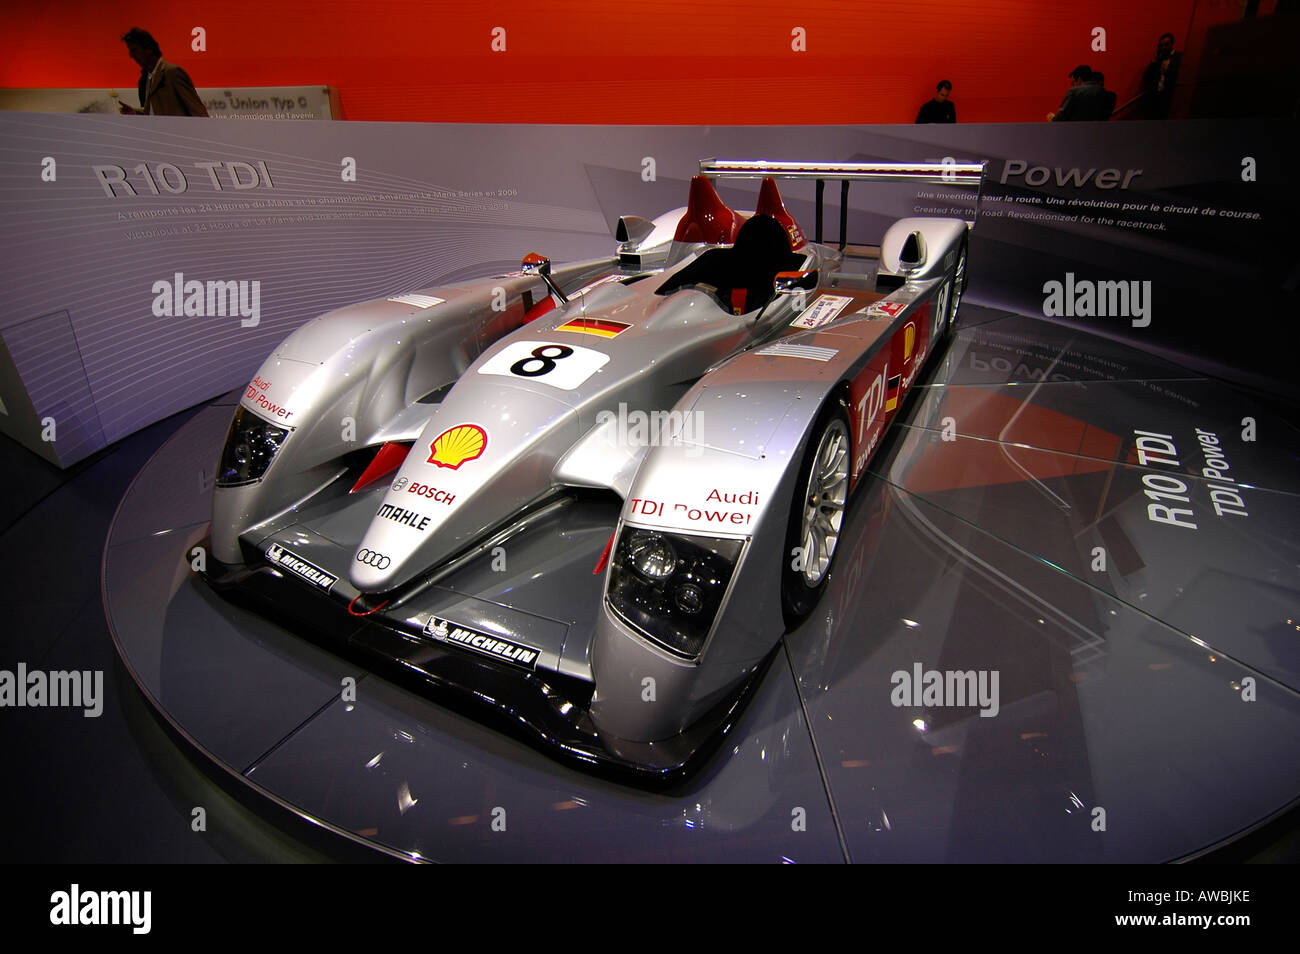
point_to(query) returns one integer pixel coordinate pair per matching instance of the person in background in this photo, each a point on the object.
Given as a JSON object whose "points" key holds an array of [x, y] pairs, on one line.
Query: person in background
{"points": [[1084, 100], [165, 89], [1160, 78], [938, 109], [1108, 104]]}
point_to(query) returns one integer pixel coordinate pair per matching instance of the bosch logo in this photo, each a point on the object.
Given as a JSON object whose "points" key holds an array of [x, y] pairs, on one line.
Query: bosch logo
{"points": [[370, 558], [399, 483]]}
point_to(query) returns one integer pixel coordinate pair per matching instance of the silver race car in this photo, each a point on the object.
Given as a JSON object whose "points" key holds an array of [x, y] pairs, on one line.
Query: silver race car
{"points": [[587, 501]]}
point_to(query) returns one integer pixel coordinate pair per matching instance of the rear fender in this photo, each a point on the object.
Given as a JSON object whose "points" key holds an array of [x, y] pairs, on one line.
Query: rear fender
{"points": [[942, 238]]}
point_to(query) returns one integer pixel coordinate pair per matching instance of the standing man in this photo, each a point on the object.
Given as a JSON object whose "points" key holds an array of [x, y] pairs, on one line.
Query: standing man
{"points": [[938, 110], [1108, 102], [165, 89], [1161, 77]]}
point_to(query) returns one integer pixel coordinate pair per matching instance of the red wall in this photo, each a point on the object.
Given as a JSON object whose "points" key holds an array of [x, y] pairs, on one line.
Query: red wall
{"points": [[670, 61]]}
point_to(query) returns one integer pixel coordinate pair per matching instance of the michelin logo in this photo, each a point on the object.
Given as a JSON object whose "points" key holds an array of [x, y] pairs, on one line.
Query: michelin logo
{"points": [[448, 632], [283, 559]]}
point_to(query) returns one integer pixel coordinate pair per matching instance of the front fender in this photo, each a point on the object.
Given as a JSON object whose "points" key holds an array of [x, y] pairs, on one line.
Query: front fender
{"points": [[341, 379], [734, 479]]}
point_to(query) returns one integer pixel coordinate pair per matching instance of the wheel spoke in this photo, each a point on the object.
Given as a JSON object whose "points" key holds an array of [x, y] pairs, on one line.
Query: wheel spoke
{"points": [[830, 471], [829, 459], [824, 502]]}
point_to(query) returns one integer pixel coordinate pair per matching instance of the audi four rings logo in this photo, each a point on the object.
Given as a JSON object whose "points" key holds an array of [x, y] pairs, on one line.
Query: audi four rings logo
{"points": [[370, 558]]}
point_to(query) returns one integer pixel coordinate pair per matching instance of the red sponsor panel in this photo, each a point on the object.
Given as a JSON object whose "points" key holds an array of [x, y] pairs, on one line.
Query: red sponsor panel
{"points": [[867, 414], [879, 388], [910, 345]]}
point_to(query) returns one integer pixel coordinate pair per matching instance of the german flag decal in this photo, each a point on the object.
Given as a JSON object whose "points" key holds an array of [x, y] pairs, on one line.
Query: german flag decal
{"points": [[600, 327], [891, 395]]}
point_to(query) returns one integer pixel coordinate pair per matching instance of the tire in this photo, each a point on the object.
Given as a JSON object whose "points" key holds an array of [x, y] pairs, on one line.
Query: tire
{"points": [[816, 514], [952, 293]]}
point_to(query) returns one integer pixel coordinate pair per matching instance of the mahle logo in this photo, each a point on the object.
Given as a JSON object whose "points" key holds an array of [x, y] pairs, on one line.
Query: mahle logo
{"points": [[212, 299], [1083, 298]]}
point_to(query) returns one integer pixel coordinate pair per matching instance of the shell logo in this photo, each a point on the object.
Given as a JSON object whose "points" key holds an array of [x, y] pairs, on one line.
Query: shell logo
{"points": [[458, 444]]}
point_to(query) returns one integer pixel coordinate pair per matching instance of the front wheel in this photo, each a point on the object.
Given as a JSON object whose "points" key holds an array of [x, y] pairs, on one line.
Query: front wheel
{"points": [[816, 515]]}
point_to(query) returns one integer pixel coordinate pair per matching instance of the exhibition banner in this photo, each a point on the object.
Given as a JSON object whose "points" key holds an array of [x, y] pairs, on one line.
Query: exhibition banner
{"points": [[153, 262], [221, 102]]}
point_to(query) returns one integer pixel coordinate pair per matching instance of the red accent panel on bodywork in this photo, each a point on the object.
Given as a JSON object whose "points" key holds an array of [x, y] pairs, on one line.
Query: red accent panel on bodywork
{"points": [[387, 460], [539, 309], [604, 555]]}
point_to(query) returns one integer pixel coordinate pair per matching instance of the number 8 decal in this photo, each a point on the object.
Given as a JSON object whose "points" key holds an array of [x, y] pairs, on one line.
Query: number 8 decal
{"points": [[547, 361]]}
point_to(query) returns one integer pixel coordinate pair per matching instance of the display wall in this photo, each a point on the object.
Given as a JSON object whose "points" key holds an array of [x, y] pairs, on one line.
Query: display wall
{"points": [[100, 213], [762, 62]]}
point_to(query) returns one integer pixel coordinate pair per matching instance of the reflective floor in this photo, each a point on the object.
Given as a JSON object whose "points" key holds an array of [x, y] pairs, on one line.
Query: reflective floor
{"points": [[1038, 529]]}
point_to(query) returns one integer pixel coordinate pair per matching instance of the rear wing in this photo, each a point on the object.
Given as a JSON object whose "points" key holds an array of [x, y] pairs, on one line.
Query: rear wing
{"points": [[928, 173]]}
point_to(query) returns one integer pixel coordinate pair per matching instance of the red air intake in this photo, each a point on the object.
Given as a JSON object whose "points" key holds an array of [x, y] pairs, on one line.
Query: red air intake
{"points": [[707, 217], [771, 203]]}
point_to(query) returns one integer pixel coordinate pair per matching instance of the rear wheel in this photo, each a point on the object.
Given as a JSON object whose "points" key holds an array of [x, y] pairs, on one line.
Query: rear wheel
{"points": [[816, 515], [953, 292]]}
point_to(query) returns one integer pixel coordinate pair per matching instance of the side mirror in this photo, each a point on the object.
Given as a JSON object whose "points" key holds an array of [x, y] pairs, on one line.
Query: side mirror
{"points": [[536, 263], [633, 229], [912, 255], [788, 282]]}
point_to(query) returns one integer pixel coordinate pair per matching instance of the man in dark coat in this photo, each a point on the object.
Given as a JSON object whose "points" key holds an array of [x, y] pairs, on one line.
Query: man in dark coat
{"points": [[1160, 78], [1084, 100], [165, 89]]}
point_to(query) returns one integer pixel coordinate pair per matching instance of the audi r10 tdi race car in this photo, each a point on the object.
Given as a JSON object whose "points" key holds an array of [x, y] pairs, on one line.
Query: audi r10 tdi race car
{"points": [[587, 501]]}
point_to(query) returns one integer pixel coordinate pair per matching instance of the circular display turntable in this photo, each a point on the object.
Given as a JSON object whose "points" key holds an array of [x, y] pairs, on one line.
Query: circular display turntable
{"points": [[1031, 648]]}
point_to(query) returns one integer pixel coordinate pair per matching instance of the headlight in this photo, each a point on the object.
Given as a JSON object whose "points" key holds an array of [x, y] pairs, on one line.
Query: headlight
{"points": [[250, 445], [652, 555], [670, 586]]}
